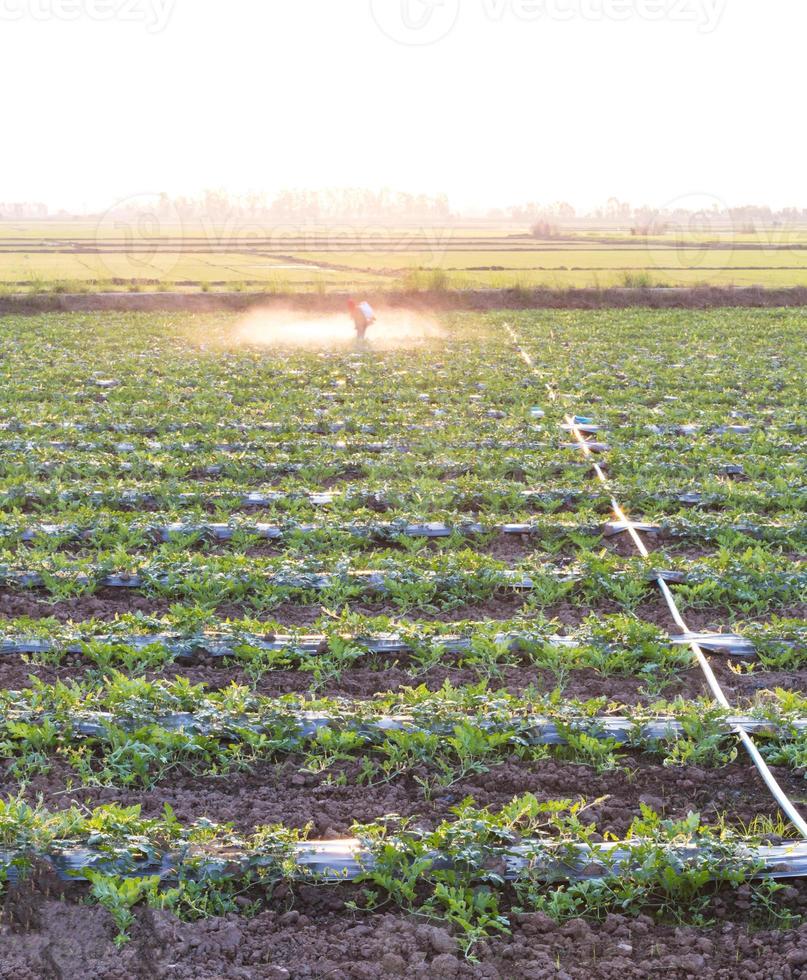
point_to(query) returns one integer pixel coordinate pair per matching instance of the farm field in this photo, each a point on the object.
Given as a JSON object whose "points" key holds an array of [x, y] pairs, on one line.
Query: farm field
{"points": [[83, 257], [37, 271], [258, 595], [110, 228]]}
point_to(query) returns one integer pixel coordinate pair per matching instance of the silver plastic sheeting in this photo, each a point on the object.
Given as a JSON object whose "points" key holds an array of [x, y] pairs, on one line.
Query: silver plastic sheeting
{"points": [[717, 643], [346, 860], [532, 730], [221, 645]]}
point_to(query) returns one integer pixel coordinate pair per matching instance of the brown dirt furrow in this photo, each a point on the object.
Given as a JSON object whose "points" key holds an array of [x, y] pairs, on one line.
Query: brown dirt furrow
{"points": [[307, 933], [366, 682], [698, 297], [740, 687], [105, 604], [281, 793]]}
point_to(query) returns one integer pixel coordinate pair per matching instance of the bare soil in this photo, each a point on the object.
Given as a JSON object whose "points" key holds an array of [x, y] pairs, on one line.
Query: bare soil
{"points": [[508, 548], [305, 932], [281, 793], [366, 682], [105, 604], [699, 297]]}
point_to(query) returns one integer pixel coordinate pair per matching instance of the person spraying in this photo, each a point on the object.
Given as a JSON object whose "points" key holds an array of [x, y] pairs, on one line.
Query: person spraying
{"points": [[363, 316]]}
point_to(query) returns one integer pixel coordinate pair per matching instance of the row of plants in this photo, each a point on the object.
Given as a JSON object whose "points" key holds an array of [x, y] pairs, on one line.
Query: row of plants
{"points": [[495, 462], [133, 732], [754, 582], [613, 645], [476, 500], [736, 426], [49, 472], [240, 532], [474, 872], [457, 434]]}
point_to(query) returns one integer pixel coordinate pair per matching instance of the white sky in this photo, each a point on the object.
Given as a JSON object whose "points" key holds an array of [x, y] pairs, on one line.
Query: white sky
{"points": [[681, 98]]}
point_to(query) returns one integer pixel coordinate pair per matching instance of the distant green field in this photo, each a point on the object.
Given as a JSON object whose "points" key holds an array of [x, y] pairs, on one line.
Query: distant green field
{"points": [[41, 268], [84, 255], [762, 236], [551, 258], [560, 279], [601, 267]]}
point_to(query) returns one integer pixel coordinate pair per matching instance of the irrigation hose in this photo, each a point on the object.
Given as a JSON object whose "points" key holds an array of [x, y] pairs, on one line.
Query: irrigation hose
{"points": [[776, 790]]}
